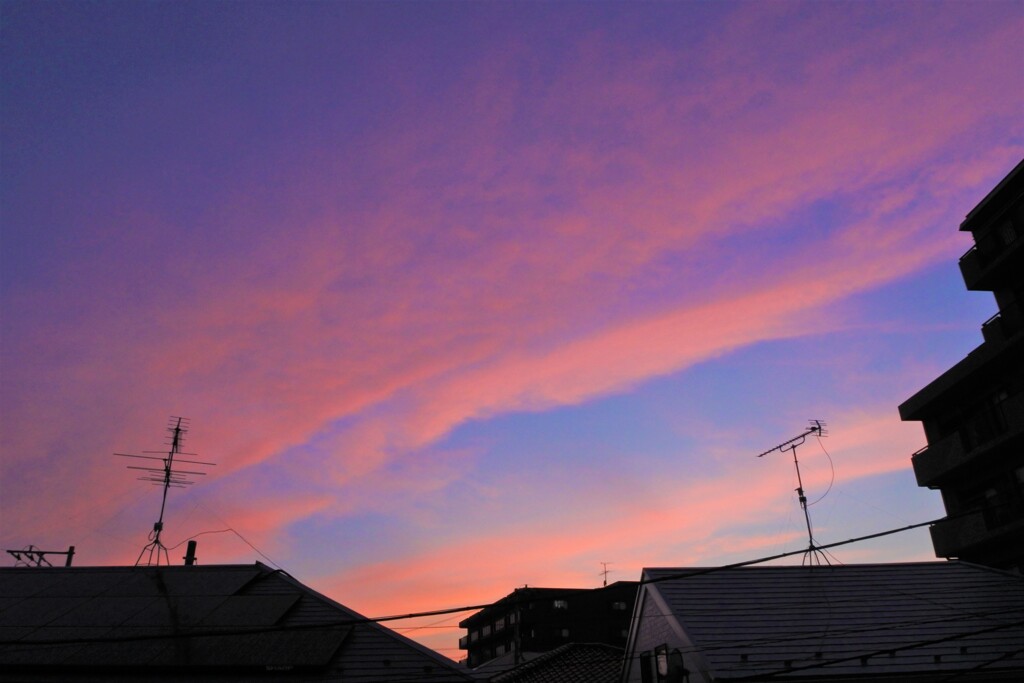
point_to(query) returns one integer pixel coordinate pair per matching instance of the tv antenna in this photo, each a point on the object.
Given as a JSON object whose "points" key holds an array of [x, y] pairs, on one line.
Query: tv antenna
{"points": [[817, 428], [32, 556], [167, 477], [605, 572]]}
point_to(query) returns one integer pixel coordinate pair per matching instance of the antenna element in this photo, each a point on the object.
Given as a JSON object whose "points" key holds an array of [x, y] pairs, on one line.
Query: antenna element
{"points": [[167, 477], [817, 428], [32, 556]]}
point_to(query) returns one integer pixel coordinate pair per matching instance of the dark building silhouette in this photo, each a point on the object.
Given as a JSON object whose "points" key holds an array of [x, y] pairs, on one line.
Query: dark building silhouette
{"points": [[529, 621], [929, 622], [973, 414], [570, 663], [195, 623]]}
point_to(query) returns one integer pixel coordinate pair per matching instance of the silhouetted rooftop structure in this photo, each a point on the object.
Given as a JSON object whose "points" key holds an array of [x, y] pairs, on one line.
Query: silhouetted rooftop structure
{"points": [[532, 620], [196, 623], [973, 414], [570, 663], [923, 621]]}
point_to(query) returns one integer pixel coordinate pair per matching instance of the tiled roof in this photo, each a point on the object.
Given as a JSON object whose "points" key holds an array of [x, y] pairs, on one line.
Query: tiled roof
{"points": [[570, 663], [241, 622], [849, 620]]}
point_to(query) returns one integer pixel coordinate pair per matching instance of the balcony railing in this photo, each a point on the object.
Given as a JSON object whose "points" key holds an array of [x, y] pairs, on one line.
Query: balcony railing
{"points": [[971, 267], [958, 536], [990, 268], [951, 537], [993, 329], [934, 460], [939, 459]]}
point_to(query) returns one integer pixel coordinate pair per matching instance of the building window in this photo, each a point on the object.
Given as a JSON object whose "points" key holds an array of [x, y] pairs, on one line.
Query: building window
{"points": [[499, 625], [487, 630], [564, 633], [561, 604], [619, 606]]}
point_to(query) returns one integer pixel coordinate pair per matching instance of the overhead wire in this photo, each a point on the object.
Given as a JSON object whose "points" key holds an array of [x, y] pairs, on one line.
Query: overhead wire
{"points": [[228, 527], [831, 465], [688, 573], [356, 620]]}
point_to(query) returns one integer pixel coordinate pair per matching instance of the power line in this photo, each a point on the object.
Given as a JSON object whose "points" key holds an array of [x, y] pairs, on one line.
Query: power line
{"points": [[506, 601], [356, 620]]}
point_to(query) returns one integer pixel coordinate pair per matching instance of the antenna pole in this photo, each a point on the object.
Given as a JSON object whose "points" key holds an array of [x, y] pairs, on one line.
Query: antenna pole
{"points": [[802, 498], [168, 464], [166, 477], [817, 428]]}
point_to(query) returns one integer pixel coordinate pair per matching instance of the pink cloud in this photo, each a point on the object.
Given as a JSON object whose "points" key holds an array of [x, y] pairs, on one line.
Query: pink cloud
{"points": [[682, 518], [624, 236]]}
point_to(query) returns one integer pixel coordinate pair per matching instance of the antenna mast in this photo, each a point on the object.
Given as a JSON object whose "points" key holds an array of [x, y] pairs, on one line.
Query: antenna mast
{"points": [[167, 477], [32, 556], [817, 428], [605, 572]]}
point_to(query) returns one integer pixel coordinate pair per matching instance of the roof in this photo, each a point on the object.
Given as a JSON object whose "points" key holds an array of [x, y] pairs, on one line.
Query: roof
{"points": [[847, 620], [516, 597], [503, 663], [570, 663], [194, 622], [528, 594]]}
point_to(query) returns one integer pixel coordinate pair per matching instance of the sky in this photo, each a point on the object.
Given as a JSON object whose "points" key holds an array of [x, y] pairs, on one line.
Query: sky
{"points": [[461, 297]]}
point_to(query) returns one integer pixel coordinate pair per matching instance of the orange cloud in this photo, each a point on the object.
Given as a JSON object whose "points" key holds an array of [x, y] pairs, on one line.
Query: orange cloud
{"points": [[645, 209]]}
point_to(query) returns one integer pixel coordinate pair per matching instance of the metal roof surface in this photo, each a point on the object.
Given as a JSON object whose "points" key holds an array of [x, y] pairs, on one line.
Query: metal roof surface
{"points": [[197, 622], [851, 620], [570, 663]]}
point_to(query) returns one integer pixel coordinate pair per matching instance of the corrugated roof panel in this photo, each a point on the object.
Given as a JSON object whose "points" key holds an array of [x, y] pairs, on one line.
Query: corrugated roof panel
{"points": [[181, 618], [37, 655], [570, 663], [88, 583], [172, 612], [37, 611], [102, 611], [121, 647], [24, 581], [251, 610], [49, 644], [211, 580], [303, 648], [854, 619]]}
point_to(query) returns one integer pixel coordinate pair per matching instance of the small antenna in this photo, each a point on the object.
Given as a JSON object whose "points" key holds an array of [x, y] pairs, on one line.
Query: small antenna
{"points": [[32, 556], [167, 477], [817, 427], [605, 572]]}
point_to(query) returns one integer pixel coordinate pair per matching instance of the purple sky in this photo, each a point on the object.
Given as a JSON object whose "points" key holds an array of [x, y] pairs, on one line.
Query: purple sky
{"points": [[462, 297]]}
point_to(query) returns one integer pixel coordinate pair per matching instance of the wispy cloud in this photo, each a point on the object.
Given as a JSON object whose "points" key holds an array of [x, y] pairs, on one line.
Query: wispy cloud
{"points": [[425, 245]]}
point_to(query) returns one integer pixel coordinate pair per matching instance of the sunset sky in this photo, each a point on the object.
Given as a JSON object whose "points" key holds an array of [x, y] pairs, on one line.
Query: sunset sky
{"points": [[466, 296]]}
